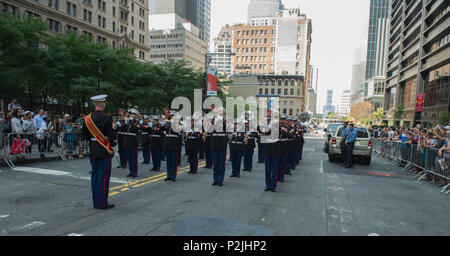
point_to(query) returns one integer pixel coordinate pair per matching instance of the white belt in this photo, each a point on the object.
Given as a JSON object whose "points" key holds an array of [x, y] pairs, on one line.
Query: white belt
{"points": [[237, 142], [93, 139], [131, 134], [144, 133], [157, 136], [172, 136], [215, 134], [193, 138]]}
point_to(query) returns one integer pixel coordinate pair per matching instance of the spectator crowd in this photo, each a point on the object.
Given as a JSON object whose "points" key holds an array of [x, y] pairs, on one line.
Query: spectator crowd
{"points": [[40, 131], [437, 139]]}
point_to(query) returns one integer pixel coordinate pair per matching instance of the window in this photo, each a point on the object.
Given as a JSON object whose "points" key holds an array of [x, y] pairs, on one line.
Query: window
{"points": [[285, 91], [286, 83], [292, 83], [292, 92], [114, 11]]}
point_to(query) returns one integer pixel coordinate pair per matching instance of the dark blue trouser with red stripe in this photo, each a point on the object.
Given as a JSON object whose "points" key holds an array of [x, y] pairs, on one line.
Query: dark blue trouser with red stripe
{"points": [[122, 155], [171, 163], [218, 161], [132, 156], [282, 169], [193, 160], [146, 153], [236, 157], [271, 165], [100, 174]]}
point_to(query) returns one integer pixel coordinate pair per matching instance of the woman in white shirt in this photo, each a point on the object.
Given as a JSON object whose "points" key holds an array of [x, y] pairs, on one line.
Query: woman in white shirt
{"points": [[16, 124], [29, 129]]}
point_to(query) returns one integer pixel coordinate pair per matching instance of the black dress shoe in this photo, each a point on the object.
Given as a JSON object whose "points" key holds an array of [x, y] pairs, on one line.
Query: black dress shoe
{"points": [[174, 179], [232, 176], [109, 206], [267, 189], [129, 175], [288, 173], [220, 184], [190, 172], [215, 183], [273, 190], [167, 179]]}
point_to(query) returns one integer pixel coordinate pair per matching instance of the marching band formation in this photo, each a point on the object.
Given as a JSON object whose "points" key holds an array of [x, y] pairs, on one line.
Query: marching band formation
{"points": [[161, 143]]}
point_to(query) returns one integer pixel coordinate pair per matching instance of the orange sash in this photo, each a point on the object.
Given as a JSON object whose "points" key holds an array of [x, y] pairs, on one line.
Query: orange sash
{"points": [[98, 134]]}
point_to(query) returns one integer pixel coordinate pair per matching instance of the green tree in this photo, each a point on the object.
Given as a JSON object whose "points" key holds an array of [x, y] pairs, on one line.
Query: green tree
{"points": [[444, 118], [379, 114], [399, 111]]}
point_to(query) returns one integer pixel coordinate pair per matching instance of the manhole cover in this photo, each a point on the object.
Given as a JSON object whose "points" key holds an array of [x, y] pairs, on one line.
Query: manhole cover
{"points": [[199, 226], [31, 199]]}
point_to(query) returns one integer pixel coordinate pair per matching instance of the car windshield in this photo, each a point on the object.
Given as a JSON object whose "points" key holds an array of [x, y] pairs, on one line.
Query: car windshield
{"points": [[332, 127], [362, 132]]}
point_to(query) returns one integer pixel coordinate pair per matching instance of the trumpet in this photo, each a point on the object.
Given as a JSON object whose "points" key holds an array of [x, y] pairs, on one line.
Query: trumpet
{"points": [[246, 139], [205, 134]]}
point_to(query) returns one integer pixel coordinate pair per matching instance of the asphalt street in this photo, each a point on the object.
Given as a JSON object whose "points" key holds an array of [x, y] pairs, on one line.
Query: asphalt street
{"points": [[319, 199]]}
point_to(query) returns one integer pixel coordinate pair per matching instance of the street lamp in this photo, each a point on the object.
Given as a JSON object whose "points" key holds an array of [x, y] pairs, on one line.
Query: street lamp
{"points": [[207, 61]]}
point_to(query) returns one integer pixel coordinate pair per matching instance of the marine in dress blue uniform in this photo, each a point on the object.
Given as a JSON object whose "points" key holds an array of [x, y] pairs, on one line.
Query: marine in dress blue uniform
{"points": [[146, 130], [130, 143], [156, 140], [193, 145], [250, 144], [171, 146], [100, 159], [218, 147], [237, 149], [272, 159]]}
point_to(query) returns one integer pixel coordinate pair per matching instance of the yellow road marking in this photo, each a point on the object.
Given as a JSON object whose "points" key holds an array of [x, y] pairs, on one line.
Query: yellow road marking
{"points": [[149, 180], [146, 179]]}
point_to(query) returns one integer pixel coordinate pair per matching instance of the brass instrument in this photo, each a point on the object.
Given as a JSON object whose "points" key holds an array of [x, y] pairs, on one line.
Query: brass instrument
{"points": [[205, 134], [246, 139]]}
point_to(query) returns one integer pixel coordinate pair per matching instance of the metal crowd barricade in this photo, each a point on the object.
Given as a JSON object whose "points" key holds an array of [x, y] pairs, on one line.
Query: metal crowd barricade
{"points": [[414, 156], [59, 145]]}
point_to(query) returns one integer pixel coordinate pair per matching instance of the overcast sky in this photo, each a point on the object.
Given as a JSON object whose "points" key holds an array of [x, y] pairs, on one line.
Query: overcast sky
{"points": [[339, 36]]}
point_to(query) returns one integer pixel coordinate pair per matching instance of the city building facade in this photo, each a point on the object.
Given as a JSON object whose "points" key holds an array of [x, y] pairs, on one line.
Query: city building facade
{"points": [[344, 104], [223, 43], [198, 12], [254, 47], [119, 24], [327, 108], [291, 90], [377, 38], [264, 8], [418, 61], [377, 44], [172, 37], [312, 100], [357, 86]]}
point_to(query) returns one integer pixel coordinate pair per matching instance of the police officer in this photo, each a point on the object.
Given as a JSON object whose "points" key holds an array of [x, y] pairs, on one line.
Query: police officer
{"points": [[349, 145], [193, 145], [130, 143], [171, 146], [237, 149], [146, 130], [97, 126], [156, 141], [344, 135], [272, 159]]}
